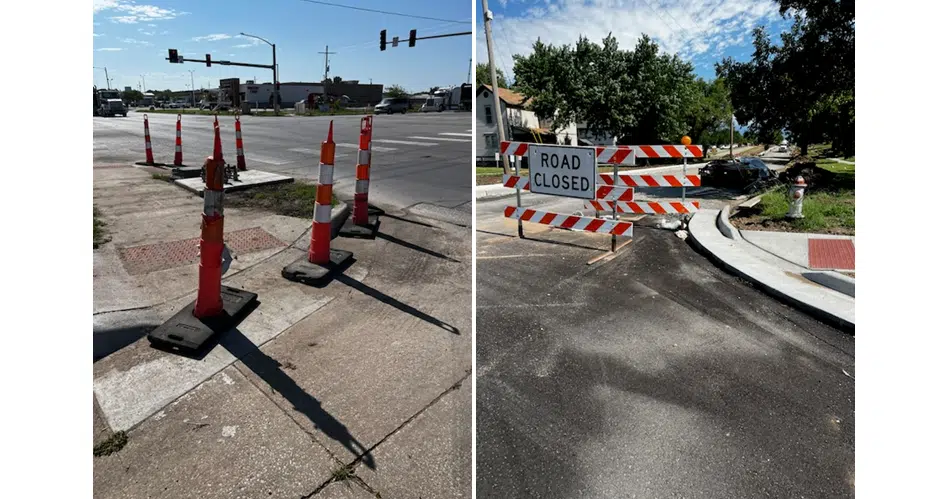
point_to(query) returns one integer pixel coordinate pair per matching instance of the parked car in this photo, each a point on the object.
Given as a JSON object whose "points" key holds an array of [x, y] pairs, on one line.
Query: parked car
{"points": [[740, 173], [391, 105]]}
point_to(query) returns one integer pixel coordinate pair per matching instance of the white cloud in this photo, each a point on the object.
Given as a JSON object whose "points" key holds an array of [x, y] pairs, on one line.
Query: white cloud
{"points": [[212, 38], [244, 46], [146, 33], [252, 42], [115, 49], [155, 26], [135, 42], [689, 28], [132, 13], [95, 35]]}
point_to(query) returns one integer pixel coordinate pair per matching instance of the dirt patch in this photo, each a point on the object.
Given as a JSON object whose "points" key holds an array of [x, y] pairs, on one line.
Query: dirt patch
{"points": [[293, 200], [488, 179]]}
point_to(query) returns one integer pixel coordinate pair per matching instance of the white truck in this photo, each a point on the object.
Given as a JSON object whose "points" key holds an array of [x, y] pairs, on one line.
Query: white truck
{"points": [[454, 97]]}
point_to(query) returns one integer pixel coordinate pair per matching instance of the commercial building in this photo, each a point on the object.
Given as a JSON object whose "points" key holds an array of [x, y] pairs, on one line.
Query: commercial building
{"points": [[260, 95]]}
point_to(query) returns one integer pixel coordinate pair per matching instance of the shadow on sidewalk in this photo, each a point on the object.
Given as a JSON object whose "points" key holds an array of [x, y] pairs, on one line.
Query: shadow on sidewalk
{"points": [[416, 222], [384, 298], [269, 370], [406, 244]]}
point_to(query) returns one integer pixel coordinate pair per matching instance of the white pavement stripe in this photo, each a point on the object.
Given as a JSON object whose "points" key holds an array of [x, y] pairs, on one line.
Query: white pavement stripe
{"points": [[468, 140], [405, 142], [266, 159], [374, 148], [457, 134], [304, 150]]}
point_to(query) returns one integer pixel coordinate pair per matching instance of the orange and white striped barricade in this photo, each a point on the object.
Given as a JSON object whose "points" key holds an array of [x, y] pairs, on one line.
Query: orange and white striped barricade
{"points": [[217, 308], [149, 159], [178, 158], [365, 220], [572, 222], [241, 163], [321, 261]]}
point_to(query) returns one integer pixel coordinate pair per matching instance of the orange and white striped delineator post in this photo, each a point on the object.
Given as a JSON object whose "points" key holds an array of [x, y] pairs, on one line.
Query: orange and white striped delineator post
{"points": [[149, 159], [363, 223], [178, 161], [241, 165], [217, 308], [321, 260]]}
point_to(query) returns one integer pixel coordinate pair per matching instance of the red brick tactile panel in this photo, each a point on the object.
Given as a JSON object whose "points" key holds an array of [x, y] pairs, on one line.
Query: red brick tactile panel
{"points": [[162, 256], [831, 254]]}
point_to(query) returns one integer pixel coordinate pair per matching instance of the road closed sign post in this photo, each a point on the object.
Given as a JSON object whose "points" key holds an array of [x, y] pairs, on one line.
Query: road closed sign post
{"points": [[562, 171]]}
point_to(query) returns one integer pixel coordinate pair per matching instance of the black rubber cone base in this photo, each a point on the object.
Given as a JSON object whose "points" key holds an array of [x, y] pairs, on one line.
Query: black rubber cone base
{"points": [[188, 334], [186, 171], [364, 231], [375, 212], [314, 273]]}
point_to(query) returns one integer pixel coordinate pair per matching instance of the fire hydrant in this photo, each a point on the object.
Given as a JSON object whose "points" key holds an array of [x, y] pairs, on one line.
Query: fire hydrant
{"points": [[796, 195]]}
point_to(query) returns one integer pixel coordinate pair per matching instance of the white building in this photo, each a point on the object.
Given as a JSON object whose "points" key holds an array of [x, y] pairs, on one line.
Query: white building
{"points": [[520, 123], [258, 95]]}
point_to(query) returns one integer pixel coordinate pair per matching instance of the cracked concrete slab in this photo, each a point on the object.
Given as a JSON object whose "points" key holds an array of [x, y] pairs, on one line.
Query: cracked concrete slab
{"points": [[223, 440], [430, 456]]}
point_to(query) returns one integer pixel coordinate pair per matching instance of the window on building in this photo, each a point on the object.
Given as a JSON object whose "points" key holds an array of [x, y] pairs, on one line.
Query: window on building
{"points": [[491, 141], [488, 118]]}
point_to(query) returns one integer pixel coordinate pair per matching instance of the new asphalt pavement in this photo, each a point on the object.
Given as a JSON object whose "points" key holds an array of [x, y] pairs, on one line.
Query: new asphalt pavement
{"points": [[416, 158], [652, 375]]}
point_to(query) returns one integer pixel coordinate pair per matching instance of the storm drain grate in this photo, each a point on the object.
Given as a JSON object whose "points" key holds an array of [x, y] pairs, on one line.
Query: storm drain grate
{"points": [[163, 256]]}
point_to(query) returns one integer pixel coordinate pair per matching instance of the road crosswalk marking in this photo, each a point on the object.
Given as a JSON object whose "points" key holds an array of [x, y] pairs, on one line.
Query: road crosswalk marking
{"points": [[442, 139], [374, 147], [457, 134], [405, 142]]}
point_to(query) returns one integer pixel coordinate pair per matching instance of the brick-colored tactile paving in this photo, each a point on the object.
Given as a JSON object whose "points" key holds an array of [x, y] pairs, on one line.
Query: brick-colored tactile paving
{"points": [[162, 256], [831, 254]]}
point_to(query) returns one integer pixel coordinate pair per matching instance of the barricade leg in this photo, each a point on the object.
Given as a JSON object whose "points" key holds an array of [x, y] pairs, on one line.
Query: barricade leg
{"points": [[321, 261]]}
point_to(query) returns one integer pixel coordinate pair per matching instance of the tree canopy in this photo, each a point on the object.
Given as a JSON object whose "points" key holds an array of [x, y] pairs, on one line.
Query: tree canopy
{"points": [[639, 96], [395, 91], [483, 75], [805, 84], [131, 96]]}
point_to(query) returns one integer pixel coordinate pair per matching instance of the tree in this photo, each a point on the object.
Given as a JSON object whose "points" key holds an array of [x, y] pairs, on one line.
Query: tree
{"points": [[483, 75], [639, 96], [132, 96], [395, 91], [805, 85]]}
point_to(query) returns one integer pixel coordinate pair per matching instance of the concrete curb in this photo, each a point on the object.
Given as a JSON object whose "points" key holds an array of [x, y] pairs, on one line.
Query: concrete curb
{"points": [[493, 191], [821, 303], [338, 217], [725, 226], [834, 280]]}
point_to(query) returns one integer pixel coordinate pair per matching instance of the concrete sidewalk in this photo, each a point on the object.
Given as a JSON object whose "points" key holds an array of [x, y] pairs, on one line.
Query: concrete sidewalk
{"points": [[354, 389], [775, 271]]}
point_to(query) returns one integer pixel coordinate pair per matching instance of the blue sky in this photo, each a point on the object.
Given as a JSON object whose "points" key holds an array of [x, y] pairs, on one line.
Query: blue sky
{"points": [[132, 39], [701, 31]]}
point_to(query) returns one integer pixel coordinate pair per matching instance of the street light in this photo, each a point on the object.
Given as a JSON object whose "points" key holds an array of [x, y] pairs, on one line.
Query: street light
{"points": [[143, 82], [107, 84], [276, 85]]}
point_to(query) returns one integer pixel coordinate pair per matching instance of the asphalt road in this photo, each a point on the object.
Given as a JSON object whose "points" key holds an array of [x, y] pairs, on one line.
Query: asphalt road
{"points": [[415, 158], [652, 375]]}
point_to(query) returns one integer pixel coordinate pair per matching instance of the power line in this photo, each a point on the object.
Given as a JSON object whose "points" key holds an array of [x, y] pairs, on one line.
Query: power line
{"points": [[385, 12]]}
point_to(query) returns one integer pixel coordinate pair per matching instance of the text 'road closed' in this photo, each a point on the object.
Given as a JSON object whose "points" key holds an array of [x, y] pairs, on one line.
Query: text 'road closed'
{"points": [[562, 171]]}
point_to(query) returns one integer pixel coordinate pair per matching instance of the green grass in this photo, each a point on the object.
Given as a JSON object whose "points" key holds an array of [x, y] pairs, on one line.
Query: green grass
{"points": [[343, 473], [837, 167], [98, 229], [111, 445], [164, 177], [293, 200], [824, 211]]}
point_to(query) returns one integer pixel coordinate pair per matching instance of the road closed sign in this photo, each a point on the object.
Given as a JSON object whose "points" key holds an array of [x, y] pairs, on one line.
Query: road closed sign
{"points": [[562, 171]]}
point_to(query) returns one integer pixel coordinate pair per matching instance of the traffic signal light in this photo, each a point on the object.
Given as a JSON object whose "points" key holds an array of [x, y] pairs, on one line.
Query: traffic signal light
{"points": [[207, 59], [412, 38], [382, 40], [173, 56]]}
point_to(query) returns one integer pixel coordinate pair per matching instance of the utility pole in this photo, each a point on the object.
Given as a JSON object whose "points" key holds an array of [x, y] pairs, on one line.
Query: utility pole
{"points": [[469, 71], [326, 69], [143, 81], [192, 87], [731, 141], [494, 83]]}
